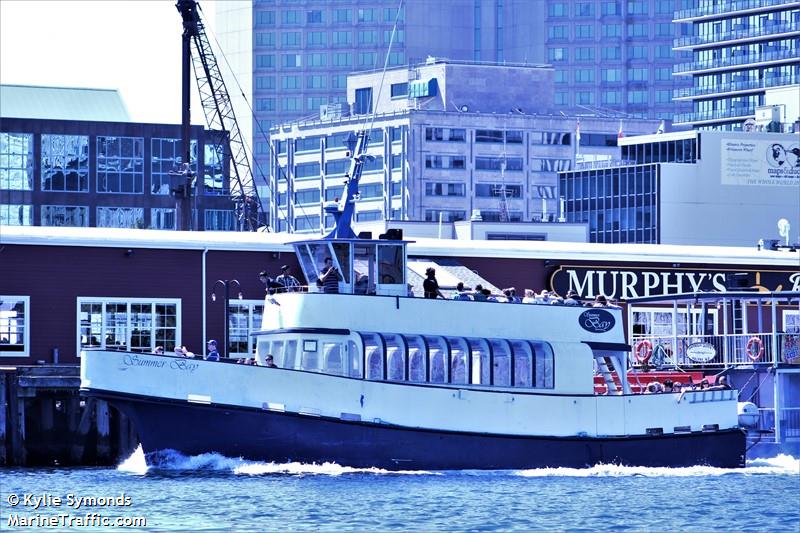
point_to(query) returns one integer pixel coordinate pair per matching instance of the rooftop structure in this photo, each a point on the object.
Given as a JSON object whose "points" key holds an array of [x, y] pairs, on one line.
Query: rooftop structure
{"points": [[62, 103], [448, 141]]}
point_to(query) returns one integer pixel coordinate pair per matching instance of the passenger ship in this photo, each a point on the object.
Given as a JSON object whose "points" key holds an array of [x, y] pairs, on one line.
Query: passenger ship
{"points": [[371, 377]]}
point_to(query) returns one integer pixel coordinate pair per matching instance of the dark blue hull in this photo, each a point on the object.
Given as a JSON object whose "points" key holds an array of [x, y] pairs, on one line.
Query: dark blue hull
{"points": [[283, 437]]}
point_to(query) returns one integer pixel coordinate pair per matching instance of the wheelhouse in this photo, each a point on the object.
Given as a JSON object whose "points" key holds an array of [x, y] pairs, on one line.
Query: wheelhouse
{"points": [[366, 266]]}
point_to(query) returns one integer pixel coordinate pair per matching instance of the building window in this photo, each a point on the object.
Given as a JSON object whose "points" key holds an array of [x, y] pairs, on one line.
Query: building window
{"points": [[611, 52], [433, 215], [371, 190], [265, 83], [342, 38], [265, 60], [557, 55], [584, 75], [369, 216], [120, 164], [265, 39], [244, 317], [335, 167], [611, 97], [496, 163], [637, 74], [458, 162], [314, 17], [65, 215], [307, 223], [366, 15], [611, 8], [637, 7], [290, 16], [290, 39], [390, 14], [220, 220], [373, 165], [333, 193], [265, 18], [637, 52], [367, 37], [16, 215], [342, 59], [292, 103], [132, 324], [290, 82], [316, 38], [443, 189], [638, 30], [497, 190], [445, 134], [265, 104], [65, 163], [558, 31], [120, 217], [396, 188], [339, 81], [399, 36], [315, 102], [306, 170], [557, 10], [363, 103], [316, 82], [561, 98], [367, 59], [317, 60], [612, 31], [161, 218], [214, 182], [166, 156], [343, 15], [16, 161], [291, 60], [611, 74], [396, 162], [584, 9], [584, 31], [14, 326], [400, 90], [308, 196]]}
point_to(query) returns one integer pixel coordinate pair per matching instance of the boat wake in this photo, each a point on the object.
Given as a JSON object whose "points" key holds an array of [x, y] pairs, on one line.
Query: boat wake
{"points": [[172, 461]]}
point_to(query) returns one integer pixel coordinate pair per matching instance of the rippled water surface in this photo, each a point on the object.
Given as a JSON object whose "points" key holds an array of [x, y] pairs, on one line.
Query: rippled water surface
{"points": [[210, 492]]}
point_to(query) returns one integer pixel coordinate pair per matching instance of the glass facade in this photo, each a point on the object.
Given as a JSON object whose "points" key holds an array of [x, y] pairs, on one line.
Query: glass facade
{"points": [[65, 215], [16, 215], [120, 164], [65, 163], [620, 204], [120, 217], [16, 161], [166, 155], [130, 324]]}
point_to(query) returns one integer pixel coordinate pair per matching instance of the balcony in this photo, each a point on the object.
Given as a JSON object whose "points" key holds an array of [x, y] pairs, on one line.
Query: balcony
{"points": [[754, 33], [734, 87], [711, 116], [728, 63], [724, 8]]}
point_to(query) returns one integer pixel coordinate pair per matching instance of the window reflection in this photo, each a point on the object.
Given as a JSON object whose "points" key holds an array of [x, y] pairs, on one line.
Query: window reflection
{"points": [[120, 164], [16, 161], [166, 155], [65, 163]]}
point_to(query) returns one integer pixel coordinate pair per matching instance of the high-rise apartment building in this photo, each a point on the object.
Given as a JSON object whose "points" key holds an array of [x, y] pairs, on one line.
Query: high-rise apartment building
{"points": [[615, 56], [742, 50]]}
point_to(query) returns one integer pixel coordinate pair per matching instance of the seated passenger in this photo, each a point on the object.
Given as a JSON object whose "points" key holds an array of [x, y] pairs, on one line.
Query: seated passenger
{"points": [[677, 387], [555, 298], [269, 361], [159, 350], [478, 295], [600, 301], [703, 384], [571, 298], [722, 384], [542, 298], [461, 292], [511, 295], [530, 297], [489, 296], [668, 385]]}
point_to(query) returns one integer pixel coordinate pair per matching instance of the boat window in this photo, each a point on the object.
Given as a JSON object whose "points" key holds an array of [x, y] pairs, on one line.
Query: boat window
{"points": [[390, 264], [355, 359], [459, 350], [373, 355], [438, 354], [289, 354], [307, 264], [395, 357], [544, 365], [319, 251], [342, 250], [522, 364], [364, 269], [416, 358], [481, 357], [275, 348], [332, 358], [310, 359], [501, 354]]}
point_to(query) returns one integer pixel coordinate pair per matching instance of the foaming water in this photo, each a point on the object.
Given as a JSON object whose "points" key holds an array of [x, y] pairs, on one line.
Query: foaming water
{"points": [[171, 460]]}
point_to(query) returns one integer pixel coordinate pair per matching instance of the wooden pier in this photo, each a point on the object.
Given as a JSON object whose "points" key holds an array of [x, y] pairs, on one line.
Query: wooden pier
{"points": [[45, 422]]}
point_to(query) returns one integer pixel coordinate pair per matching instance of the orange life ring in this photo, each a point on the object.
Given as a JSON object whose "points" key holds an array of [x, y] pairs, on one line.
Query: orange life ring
{"points": [[643, 350], [754, 341]]}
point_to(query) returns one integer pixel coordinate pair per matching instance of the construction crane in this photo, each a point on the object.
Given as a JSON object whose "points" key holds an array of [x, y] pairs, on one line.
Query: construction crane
{"points": [[218, 110]]}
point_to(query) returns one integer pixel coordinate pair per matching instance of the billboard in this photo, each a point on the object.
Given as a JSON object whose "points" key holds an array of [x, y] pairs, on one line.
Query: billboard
{"points": [[760, 162]]}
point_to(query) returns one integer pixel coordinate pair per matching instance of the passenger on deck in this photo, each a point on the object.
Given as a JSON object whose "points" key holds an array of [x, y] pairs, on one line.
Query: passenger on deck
{"points": [[722, 384], [654, 387], [478, 294], [181, 351], [430, 285], [571, 298], [489, 296], [329, 277], [269, 361], [677, 387], [600, 301], [530, 297], [287, 282], [555, 298], [511, 295], [461, 292], [668, 385], [703, 384], [543, 298], [213, 354], [268, 282], [410, 292], [159, 350]]}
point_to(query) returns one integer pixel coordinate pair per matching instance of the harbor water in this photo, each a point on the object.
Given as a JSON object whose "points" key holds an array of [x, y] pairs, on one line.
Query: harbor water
{"points": [[210, 492]]}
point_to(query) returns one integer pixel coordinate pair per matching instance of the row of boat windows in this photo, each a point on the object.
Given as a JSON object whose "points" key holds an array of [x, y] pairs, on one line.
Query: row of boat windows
{"points": [[418, 358]]}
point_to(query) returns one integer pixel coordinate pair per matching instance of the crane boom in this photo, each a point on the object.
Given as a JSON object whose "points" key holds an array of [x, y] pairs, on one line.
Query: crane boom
{"points": [[218, 110]]}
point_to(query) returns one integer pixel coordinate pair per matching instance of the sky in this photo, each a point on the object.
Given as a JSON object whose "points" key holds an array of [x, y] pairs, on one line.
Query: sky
{"points": [[133, 46]]}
